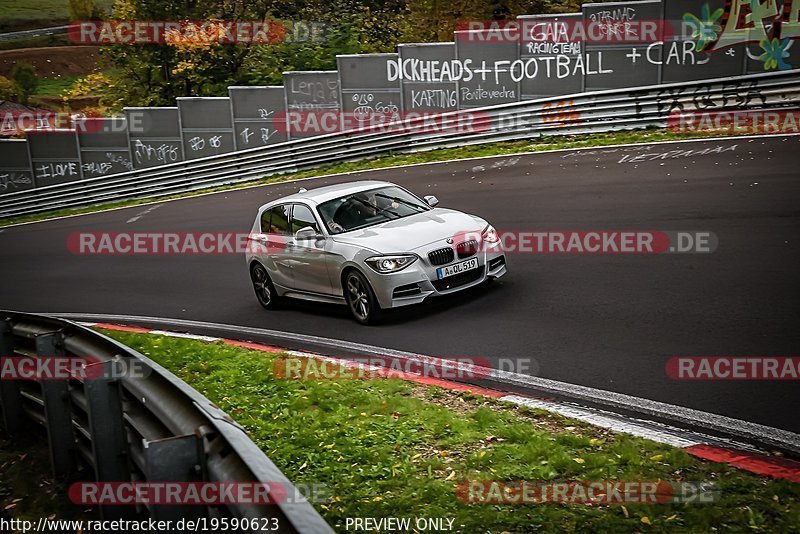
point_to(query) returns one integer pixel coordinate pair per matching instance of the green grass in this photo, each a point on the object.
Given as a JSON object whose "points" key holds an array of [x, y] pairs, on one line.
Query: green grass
{"points": [[34, 10], [393, 448], [54, 86], [36, 42], [32, 14], [390, 160]]}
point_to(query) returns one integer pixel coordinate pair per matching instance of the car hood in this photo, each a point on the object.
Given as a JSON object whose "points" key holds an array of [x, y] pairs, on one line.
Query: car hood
{"points": [[413, 232]]}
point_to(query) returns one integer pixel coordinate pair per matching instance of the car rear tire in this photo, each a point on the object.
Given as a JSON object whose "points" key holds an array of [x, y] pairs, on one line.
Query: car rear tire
{"points": [[361, 299], [262, 285]]}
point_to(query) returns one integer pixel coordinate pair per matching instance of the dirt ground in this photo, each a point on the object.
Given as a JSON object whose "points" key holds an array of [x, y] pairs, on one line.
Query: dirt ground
{"points": [[53, 62]]}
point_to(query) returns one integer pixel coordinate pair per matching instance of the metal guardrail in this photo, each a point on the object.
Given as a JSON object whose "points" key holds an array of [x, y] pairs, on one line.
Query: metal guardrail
{"points": [[147, 427], [596, 112]]}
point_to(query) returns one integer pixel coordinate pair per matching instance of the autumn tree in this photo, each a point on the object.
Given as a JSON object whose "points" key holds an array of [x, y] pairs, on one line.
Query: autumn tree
{"points": [[8, 89], [155, 74], [84, 10], [24, 76]]}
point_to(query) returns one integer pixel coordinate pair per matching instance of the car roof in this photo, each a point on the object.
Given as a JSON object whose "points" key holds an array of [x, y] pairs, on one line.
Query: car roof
{"points": [[329, 192]]}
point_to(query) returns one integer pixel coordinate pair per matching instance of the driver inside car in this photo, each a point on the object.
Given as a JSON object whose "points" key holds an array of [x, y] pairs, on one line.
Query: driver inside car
{"points": [[359, 208]]}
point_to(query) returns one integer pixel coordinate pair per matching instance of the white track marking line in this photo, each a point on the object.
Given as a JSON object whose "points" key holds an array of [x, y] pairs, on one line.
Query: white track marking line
{"points": [[182, 335], [142, 214], [609, 421]]}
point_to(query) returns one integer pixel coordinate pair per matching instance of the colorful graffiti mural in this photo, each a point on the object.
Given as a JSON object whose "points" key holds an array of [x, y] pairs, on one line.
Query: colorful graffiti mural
{"points": [[774, 25]]}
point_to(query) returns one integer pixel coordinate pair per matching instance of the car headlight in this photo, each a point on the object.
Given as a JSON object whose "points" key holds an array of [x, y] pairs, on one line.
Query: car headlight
{"points": [[489, 235], [390, 264]]}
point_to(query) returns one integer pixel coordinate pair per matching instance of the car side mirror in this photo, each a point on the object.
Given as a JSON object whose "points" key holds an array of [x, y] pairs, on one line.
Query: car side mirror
{"points": [[307, 232], [432, 201]]}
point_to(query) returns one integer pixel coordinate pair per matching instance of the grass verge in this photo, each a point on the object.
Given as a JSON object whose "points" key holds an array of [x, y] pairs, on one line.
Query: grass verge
{"points": [[35, 42], [33, 14], [54, 86], [391, 160], [393, 448]]}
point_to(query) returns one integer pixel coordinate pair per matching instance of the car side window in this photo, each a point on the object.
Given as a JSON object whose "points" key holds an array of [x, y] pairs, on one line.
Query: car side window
{"points": [[276, 220], [303, 217]]}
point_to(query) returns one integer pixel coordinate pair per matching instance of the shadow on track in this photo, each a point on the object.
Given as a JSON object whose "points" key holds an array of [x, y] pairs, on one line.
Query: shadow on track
{"points": [[399, 316]]}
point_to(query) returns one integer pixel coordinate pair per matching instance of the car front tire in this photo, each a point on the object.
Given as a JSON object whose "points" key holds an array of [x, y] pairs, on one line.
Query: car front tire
{"points": [[361, 299]]}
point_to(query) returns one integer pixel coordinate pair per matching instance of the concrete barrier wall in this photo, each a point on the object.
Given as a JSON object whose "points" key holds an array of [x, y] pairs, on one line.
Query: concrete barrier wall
{"points": [[535, 56]]}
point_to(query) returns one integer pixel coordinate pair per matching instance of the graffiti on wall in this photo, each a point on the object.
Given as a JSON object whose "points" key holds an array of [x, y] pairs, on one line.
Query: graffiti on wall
{"points": [[705, 97], [146, 152], [13, 180], [774, 25]]}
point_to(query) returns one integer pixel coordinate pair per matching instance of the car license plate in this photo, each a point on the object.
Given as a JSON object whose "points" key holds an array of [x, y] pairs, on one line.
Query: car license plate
{"points": [[457, 268]]}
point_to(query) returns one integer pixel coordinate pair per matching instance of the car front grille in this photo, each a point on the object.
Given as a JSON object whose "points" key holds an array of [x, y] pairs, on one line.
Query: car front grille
{"points": [[461, 279], [467, 249], [441, 256]]}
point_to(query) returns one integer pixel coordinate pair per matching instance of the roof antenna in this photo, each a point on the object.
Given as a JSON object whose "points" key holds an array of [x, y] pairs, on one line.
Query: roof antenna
{"points": [[302, 190]]}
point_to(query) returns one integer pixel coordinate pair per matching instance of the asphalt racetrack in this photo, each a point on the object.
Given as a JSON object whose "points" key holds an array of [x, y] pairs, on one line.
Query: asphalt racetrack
{"points": [[605, 321]]}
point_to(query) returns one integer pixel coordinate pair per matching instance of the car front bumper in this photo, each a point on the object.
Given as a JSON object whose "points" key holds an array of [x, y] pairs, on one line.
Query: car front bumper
{"points": [[420, 281]]}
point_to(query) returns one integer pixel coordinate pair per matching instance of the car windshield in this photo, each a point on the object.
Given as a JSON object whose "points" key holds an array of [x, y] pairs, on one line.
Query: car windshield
{"points": [[368, 208]]}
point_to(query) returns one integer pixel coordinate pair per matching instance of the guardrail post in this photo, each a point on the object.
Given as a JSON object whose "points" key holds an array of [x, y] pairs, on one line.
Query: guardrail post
{"points": [[176, 459], [58, 417], [106, 427], [10, 399]]}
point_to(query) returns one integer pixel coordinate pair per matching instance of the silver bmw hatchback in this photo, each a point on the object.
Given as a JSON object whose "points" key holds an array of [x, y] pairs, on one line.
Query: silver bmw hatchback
{"points": [[370, 245]]}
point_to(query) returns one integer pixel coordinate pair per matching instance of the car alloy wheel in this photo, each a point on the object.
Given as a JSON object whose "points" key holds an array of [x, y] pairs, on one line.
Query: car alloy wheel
{"points": [[360, 298], [265, 291]]}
